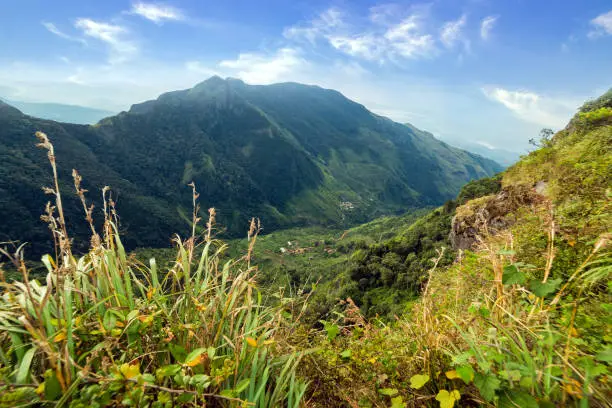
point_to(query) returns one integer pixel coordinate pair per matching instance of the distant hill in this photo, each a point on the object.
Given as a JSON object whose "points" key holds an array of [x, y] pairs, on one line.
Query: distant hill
{"points": [[501, 156], [290, 154], [60, 112]]}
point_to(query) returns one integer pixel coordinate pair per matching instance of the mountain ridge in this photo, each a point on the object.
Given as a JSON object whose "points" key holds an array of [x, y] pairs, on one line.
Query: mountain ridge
{"points": [[290, 154]]}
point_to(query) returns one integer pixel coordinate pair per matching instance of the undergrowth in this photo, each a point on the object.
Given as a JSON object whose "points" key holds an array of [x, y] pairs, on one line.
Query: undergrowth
{"points": [[105, 330]]}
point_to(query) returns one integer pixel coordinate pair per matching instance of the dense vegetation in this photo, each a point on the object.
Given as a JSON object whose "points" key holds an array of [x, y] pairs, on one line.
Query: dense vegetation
{"points": [[513, 308], [290, 154]]}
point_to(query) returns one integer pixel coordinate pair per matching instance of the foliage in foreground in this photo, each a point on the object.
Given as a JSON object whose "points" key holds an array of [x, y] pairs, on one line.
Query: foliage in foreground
{"points": [[106, 330], [521, 321]]}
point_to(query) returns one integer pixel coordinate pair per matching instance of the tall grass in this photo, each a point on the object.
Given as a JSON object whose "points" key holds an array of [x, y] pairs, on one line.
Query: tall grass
{"points": [[104, 329]]}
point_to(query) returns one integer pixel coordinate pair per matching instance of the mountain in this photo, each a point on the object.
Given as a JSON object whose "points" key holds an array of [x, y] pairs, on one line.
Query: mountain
{"points": [[290, 154], [61, 113], [504, 157], [501, 156]]}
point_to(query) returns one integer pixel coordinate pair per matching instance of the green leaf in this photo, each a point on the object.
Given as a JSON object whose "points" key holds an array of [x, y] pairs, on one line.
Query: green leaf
{"points": [[168, 370], [487, 384], [178, 352], [228, 393], [199, 379], [506, 252], [242, 385], [418, 381], [148, 378], [466, 373], [447, 399], [390, 392], [605, 355], [132, 315], [185, 398], [398, 402], [346, 354], [513, 399], [110, 320], [512, 276], [53, 389], [193, 358], [542, 289], [331, 329], [24, 367]]}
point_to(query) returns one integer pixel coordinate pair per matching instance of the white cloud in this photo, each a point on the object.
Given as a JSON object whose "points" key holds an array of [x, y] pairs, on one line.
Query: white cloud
{"points": [[485, 144], [602, 25], [393, 35], [385, 14], [365, 46], [53, 29], [157, 13], [407, 40], [534, 108], [486, 26], [264, 69], [451, 32], [113, 35], [322, 26]]}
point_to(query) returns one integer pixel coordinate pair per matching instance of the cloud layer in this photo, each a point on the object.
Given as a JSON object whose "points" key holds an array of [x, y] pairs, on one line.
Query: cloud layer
{"points": [[534, 108], [157, 13], [486, 26], [114, 36], [602, 25]]}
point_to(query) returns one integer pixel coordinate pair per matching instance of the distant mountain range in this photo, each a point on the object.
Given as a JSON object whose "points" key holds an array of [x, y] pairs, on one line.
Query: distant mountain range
{"points": [[288, 153], [501, 156], [60, 112]]}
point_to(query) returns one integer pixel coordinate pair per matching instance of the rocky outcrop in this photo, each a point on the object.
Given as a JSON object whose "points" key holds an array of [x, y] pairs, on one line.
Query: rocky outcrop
{"points": [[490, 214]]}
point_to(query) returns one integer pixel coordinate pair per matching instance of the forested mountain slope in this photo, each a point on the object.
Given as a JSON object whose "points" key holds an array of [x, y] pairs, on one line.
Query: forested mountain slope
{"points": [[289, 154]]}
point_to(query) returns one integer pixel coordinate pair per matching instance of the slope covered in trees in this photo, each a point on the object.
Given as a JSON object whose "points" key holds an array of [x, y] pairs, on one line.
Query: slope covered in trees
{"points": [[289, 154]]}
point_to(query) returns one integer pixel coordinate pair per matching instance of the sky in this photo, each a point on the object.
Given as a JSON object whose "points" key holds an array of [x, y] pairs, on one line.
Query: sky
{"points": [[493, 72]]}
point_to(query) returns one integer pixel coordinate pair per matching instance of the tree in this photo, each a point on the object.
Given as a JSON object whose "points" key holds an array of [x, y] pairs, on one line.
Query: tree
{"points": [[545, 138]]}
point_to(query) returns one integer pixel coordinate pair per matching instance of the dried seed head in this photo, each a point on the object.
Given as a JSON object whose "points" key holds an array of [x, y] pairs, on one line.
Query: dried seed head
{"points": [[95, 241], [44, 140], [602, 242], [77, 179]]}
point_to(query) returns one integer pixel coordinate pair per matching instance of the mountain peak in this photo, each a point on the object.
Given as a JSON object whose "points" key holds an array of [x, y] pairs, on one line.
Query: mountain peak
{"points": [[216, 82], [212, 81]]}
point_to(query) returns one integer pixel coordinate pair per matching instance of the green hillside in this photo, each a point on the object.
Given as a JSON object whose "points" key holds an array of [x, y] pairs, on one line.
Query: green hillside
{"points": [[290, 154], [501, 297]]}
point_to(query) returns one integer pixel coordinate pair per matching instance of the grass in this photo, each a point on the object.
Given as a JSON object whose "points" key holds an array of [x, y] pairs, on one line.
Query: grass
{"points": [[104, 329]]}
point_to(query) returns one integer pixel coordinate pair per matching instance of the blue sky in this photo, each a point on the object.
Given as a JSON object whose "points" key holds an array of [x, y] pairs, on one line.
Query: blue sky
{"points": [[491, 71]]}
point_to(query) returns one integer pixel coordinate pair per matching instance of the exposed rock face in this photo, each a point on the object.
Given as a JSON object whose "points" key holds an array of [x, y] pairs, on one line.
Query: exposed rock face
{"points": [[489, 214]]}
